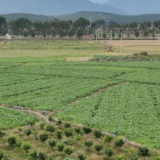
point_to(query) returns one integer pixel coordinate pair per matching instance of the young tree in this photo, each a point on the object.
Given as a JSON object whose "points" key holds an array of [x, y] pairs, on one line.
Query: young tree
{"points": [[108, 139], [28, 132], [43, 137], [137, 34], [27, 146], [12, 141], [143, 152], [109, 152], [98, 147], [104, 36], [3, 26]]}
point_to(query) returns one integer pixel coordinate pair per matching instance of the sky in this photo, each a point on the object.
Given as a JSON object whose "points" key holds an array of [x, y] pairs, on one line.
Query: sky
{"points": [[99, 1]]}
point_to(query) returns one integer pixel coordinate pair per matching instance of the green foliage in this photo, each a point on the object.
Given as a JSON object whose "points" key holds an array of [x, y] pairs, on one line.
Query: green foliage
{"points": [[42, 156], [109, 152], [28, 132], [68, 133], [97, 133], [78, 137], [18, 143], [42, 124], [50, 118], [88, 143], [33, 154], [67, 125], [68, 150], [20, 129], [77, 130], [60, 147], [43, 137], [59, 134], [87, 130], [50, 128], [1, 155], [120, 157], [2, 134], [119, 142], [12, 140], [98, 147], [52, 143], [157, 158], [27, 146], [81, 156], [143, 151], [59, 122], [108, 139]]}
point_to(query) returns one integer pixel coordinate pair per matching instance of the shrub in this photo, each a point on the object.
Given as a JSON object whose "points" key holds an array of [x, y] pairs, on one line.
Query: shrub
{"points": [[77, 130], [67, 125], [120, 157], [5, 157], [109, 152], [1, 155], [107, 139], [18, 143], [50, 118], [78, 137], [20, 129], [59, 134], [68, 133], [87, 130], [43, 137], [132, 150], [68, 150], [60, 147], [12, 141], [143, 151], [144, 53], [50, 128], [42, 125], [2, 134], [28, 132], [119, 142], [88, 143], [34, 155], [81, 156], [59, 122], [97, 133], [157, 158], [98, 147], [52, 143], [27, 146], [31, 122], [41, 156]]}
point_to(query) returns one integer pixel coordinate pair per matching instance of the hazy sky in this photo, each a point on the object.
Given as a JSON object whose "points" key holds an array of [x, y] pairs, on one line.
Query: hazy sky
{"points": [[99, 1]]}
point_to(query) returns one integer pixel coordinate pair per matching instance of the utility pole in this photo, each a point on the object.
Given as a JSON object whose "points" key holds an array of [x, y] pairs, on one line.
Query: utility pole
{"points": [[111, 38], [96, 36], [101, 32], [121, 43]]}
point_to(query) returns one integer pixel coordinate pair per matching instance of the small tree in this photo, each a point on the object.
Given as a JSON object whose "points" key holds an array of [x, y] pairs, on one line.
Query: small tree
{"points": [[88, 143], [12, 141], [87, 130], [137, 34], [2, 134], [41, 156], [107, 139], [43, 137], [68, 133], [50, 118], [52, 143], [68, 150], [120, 157], [79, 33], [18, 143], [98, 147], [143, 152], [20, 129], [60, 147], [81, 156], [119, 142], [1, 155], [59, 134], [97, 133], [28, 132], [42, 125], [77, 130], [67, 125], [109, 152], [27, 146], [59, 122], [34, 154], [104, 36], [78, 137], [50, 128]]}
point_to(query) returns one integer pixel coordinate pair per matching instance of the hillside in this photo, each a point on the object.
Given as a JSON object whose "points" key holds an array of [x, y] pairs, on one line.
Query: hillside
{"points": [[93, 15], [54, 7]]}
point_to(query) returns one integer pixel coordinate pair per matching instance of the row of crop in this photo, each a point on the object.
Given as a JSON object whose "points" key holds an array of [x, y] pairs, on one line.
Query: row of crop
{"points": [[124, 110]]}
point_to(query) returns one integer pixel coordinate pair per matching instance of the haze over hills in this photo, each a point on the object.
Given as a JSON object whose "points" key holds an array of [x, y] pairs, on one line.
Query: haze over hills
{"points": [[136, 7], [54, 7]]}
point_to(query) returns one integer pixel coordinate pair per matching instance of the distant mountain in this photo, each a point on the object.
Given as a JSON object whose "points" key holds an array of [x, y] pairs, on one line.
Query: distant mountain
{"points": [[93, 15], [136, 7], [54, 7]]}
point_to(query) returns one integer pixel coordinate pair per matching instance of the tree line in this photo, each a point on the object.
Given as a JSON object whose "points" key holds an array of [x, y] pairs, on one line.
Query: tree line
{"points": [[79, 27]]}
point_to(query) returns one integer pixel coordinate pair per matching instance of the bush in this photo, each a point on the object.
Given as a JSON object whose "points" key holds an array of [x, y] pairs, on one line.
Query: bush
{"points": [[68, 150], [120, 157], [107, 139], [143, 151], [43, 137], [68, 133], [59, 134], [109, 152], [41, 156], [60, 147], [67, 125], [88, 143], [12, 141], [81, 156], [27, 146], [119, 142], [18, 143], [87, 130], [50, 118], [42, 125], [59, 122], [5, 157], [20, 129], [52, 143], [50, 128], [2, 134], [144, 53], [28, 132], [31, 122], [97, 133], [157, 158], [78, 137], [1, 155], [98, 147], [77, 130], [34, 155]]}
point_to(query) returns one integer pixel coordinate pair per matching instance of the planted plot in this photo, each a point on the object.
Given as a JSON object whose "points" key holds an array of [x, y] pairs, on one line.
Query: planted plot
{"points": [[10, 118], [129, 109]]}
